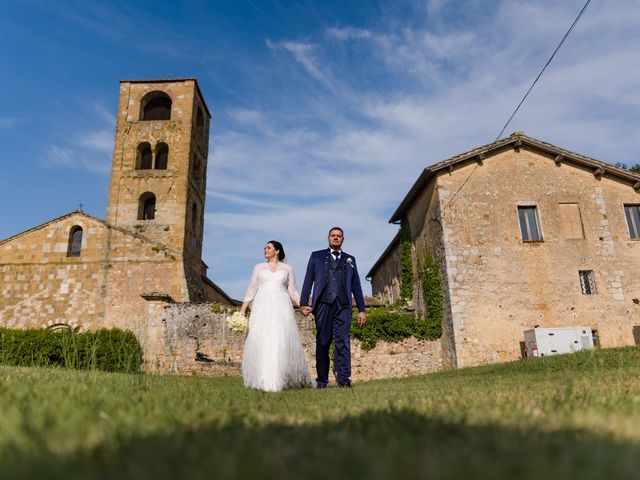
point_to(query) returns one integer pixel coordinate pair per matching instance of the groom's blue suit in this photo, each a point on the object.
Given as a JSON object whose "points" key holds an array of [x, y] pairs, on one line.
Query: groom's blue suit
{"points": [[334, 283]]}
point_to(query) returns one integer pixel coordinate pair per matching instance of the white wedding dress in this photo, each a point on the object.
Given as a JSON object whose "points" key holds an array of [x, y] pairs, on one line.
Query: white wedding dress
{"points": [[273, 357]]}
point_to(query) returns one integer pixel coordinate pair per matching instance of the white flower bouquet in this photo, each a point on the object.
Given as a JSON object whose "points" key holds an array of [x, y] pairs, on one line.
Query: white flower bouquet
{"points": [[238, 323]]}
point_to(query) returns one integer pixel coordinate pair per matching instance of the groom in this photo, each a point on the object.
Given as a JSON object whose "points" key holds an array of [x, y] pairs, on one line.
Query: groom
{"points": [[334, 276]]}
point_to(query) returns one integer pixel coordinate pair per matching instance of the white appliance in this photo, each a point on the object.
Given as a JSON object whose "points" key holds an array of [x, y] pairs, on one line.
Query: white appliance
{"points": [[540, 341]]}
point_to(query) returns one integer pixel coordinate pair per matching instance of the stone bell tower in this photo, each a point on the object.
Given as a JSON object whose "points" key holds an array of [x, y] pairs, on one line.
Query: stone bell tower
{"points": [[159, 166]]}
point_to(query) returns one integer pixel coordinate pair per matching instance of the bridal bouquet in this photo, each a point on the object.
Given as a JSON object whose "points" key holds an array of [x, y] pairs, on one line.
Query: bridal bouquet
{"points": [[238, 323]]}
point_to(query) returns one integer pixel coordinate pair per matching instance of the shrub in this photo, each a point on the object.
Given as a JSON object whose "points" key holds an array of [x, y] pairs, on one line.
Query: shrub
{"points": [[109, 350], [391, 324]]}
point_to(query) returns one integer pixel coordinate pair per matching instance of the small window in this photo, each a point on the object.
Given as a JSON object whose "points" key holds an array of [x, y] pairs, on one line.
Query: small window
{"points": [[144, 157], [632, 213], [147, 206], [162, 156], [587, 282], [75, 242], [156, 106], [200, 121], [196, 168], [529, 224], [196, 165], [194, 218]]}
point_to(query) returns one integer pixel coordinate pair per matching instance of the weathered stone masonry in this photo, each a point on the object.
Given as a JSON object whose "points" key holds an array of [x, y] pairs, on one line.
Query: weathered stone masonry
{"points": [[497, 284], [160, 153], [192, 339]]}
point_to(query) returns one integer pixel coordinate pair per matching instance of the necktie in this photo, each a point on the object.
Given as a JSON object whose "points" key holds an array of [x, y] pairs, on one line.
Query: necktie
{"points": [[335, 254]]}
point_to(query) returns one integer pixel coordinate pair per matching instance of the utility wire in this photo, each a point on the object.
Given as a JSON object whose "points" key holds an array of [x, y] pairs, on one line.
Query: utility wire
{"points": [[543, 69], [577, 19]]}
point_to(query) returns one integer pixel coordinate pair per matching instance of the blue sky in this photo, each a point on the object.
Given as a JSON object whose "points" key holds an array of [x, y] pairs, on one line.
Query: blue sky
{"points": [[324, 112]]}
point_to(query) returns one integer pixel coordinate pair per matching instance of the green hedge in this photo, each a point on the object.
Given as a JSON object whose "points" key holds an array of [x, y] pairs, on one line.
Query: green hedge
{"points": [[392, 324], [109, 350]]}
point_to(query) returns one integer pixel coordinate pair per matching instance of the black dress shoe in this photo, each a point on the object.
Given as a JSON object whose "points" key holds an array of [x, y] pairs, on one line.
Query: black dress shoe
{"points": [[321, 385], [345, 385]]}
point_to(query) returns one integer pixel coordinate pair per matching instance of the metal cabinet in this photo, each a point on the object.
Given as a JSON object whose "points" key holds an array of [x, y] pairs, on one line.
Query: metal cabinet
{"points": [[540, 341]]}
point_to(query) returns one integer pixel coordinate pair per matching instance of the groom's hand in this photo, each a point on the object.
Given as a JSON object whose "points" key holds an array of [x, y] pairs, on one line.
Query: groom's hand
{"points": [[362, 318], [306, 310]]}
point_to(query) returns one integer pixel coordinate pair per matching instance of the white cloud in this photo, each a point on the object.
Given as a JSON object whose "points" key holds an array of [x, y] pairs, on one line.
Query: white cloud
{"points": [[350, 149], [101, 141], [348, 33], [304, 53], [90, 152], [106, 115], [246, 116], [55, 156]]}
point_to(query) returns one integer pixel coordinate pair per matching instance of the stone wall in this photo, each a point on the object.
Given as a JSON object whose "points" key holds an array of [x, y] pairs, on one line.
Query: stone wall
{"points": [[495, 284], [425, 222], [41, 286], [385, 276], [501, 285], [191, 339]]}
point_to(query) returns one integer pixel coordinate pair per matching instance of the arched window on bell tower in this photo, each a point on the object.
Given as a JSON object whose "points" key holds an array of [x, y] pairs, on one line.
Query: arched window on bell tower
{"points": [[155, 105], [162, 156], [195, 168], [194, 219], [199, 122], [144, 157], [75, 242], [147, 206]]}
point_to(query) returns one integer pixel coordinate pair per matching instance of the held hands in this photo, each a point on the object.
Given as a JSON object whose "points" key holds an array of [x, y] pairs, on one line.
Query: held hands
{"points": [[362, 317]]}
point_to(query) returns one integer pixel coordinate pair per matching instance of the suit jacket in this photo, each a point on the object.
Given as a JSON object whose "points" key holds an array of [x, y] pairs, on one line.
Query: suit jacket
{"points": [[316, 276]]}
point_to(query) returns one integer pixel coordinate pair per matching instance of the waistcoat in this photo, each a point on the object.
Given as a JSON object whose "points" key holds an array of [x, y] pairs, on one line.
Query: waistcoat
{"points": [[334, 282]]}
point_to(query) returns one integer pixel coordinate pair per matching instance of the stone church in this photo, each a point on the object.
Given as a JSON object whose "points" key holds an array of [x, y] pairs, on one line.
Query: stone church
{"points": [[79, 271], [527, 234]]}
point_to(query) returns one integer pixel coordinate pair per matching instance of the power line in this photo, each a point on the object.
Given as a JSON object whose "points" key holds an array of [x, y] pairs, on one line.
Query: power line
{"points": [[543, 69], [526, 94]]}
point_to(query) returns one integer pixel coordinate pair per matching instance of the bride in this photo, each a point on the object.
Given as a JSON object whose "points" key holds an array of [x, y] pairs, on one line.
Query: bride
{"points": [[273, 358]]}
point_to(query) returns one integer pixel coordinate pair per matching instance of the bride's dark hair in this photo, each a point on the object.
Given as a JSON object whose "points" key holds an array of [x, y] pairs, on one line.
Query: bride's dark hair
{"points": [[278, 246]]}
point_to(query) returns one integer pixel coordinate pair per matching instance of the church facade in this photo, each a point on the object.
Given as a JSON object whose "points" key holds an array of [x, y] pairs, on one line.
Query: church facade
{"points": [[83, 272], [526, 234]]}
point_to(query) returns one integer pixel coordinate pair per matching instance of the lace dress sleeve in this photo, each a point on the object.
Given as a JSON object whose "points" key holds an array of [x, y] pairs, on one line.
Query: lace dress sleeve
{"points": [[252, 289], [291, 286]]}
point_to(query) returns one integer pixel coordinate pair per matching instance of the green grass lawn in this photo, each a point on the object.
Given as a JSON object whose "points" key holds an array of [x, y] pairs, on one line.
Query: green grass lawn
{"points": [[575, 416]]}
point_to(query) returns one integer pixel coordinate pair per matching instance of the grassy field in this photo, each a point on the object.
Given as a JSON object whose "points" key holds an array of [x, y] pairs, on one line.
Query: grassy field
{"points": [[574, 416]]}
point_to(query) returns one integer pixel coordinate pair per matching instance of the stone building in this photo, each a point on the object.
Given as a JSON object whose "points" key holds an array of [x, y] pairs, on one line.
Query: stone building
{"points": [[84, 272], [527, 234]]}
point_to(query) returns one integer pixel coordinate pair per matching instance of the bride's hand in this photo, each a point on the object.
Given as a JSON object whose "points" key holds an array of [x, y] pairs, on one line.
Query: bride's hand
{"points": [[243, 308]]}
